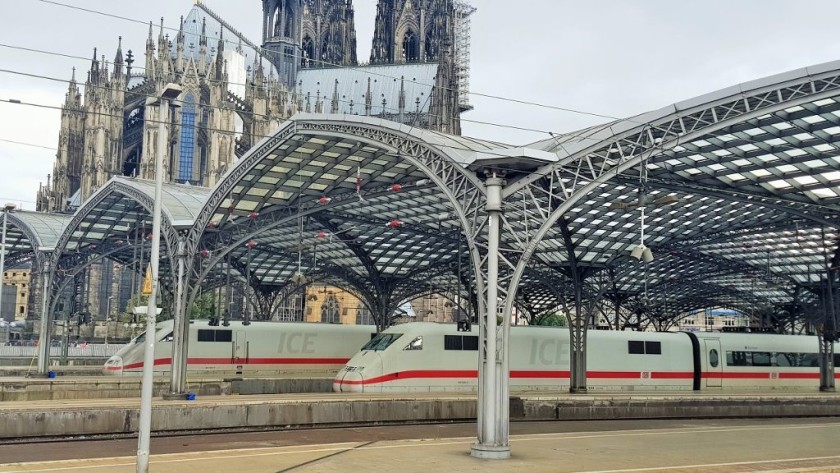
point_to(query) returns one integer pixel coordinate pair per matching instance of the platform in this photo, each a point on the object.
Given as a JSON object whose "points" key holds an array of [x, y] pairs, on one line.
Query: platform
{"points": [[795, 445], [33, 419], [104, 387]]}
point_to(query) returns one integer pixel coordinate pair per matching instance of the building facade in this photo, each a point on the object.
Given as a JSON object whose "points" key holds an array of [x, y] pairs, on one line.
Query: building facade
{"points": [[235, 93], [18, 280]]}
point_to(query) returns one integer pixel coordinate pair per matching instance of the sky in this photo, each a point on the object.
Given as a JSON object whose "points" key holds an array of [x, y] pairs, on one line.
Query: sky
{"points": [[613, 58]]}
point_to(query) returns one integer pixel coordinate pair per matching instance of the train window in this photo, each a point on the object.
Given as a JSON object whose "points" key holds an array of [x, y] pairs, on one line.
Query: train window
{"points": [[635, 348], [713, 358], [471, 343], [215, 335], [810, 360], [837, 360], [737, 358], [206, 336], [169, 337], [453, 342], [416, 344], [140, 338], [785, 359], [653, 348], [381, 341], [761, 358]]}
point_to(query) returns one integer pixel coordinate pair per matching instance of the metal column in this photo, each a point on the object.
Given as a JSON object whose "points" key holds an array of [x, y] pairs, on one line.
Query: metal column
{"points": [[170, 91], [46, 319], [492, 442], [178, 381]]}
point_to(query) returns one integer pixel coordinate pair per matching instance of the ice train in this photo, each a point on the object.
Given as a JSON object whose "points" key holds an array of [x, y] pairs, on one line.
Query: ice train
{"points": [[437, 357], [258, 348]]}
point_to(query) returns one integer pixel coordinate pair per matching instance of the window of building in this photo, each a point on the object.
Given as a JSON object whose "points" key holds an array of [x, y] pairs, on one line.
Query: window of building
{"points": [[363, 316], [329, 310], [411, 49], [185, 162]]}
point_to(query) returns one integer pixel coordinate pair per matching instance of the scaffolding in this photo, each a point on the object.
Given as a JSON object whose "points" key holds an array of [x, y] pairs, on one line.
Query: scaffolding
{"points": [[463, 12]]}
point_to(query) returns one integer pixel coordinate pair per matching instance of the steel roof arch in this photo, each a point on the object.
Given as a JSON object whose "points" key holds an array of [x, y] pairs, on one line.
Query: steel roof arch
{"points": [[592, 157], [435, 161]]}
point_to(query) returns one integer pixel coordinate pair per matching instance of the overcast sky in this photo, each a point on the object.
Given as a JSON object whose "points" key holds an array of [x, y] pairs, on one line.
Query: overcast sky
{"points": [[616, 58]]}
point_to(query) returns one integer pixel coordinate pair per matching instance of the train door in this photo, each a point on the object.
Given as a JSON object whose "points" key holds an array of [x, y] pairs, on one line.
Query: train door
{"points": [[239, 349], [714, 363]]}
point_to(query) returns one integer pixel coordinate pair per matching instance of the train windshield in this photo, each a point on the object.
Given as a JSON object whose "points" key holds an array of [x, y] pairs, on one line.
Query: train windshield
{"points": [[381, 341], [140, 338]]}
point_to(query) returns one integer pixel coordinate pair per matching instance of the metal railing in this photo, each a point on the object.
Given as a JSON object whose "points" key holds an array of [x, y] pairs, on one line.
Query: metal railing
{"points": [[89, 351]]}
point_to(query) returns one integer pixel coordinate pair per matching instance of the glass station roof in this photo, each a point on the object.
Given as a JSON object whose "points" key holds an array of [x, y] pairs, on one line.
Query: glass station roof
{"points": [[741, 213]]}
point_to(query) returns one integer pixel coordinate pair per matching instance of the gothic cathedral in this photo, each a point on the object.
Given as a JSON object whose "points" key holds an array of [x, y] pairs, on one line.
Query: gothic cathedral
{"points": [[235, 92]]}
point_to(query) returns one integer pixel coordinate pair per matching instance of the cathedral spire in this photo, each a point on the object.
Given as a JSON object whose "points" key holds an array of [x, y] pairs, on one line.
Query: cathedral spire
{"points": [[150, 54], [118, 59], [368, 99], [402, 98], [203, 40], [93, 75], [73, 97], [334, 101], [220, 59], [150, 41]]}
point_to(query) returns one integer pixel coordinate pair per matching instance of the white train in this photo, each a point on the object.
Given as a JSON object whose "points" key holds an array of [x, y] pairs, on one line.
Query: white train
{"points": [[437, 357], [258, 348]]}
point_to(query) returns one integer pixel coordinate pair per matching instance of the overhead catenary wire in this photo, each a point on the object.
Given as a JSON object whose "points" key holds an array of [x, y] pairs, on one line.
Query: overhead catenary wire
{"points": [[331, 64], [386, 110]]}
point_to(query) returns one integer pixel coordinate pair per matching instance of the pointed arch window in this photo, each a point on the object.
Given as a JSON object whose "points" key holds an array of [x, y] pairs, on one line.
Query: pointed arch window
{"points": [[431, 51], [329, 310], [326, 40], [411, 47], [363, 315], [187, 152], [308, 52]]}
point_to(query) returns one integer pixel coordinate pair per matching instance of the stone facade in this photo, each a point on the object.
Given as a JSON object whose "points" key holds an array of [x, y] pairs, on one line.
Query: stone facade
{"points": [[19, 278]]}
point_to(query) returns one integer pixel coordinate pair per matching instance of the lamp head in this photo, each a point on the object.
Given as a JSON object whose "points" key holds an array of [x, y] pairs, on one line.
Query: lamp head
{"points": [[642, 253], [9, 207]]}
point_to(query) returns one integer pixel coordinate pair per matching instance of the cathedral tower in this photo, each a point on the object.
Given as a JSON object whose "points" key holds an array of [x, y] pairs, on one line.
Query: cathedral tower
{"points": [[411, 30], [282, 36]]}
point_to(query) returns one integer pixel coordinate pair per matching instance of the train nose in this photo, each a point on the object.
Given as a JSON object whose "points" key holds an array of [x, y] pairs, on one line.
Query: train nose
{"points": [[349, 380], [114, 365]]}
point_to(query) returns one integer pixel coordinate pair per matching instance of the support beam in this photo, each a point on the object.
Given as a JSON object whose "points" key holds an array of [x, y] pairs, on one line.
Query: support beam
{"points": [[493, 441], [46, 318], [178, 379]]}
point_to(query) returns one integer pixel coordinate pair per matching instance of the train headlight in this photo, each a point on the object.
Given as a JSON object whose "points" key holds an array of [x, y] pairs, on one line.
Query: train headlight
{"points": [[113, 365]]}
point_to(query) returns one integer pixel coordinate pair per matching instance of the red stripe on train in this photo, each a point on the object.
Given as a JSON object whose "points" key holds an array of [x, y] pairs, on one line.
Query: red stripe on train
{"points": [[432, 374], [251, 361]]}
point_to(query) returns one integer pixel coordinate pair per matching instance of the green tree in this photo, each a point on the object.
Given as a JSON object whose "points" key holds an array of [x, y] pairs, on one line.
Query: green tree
{"points": [[549, 319], [204, 306]]}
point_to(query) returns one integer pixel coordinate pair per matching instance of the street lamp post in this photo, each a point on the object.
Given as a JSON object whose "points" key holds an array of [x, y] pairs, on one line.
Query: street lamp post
{"points": [[169, 92], [6, 209]]}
